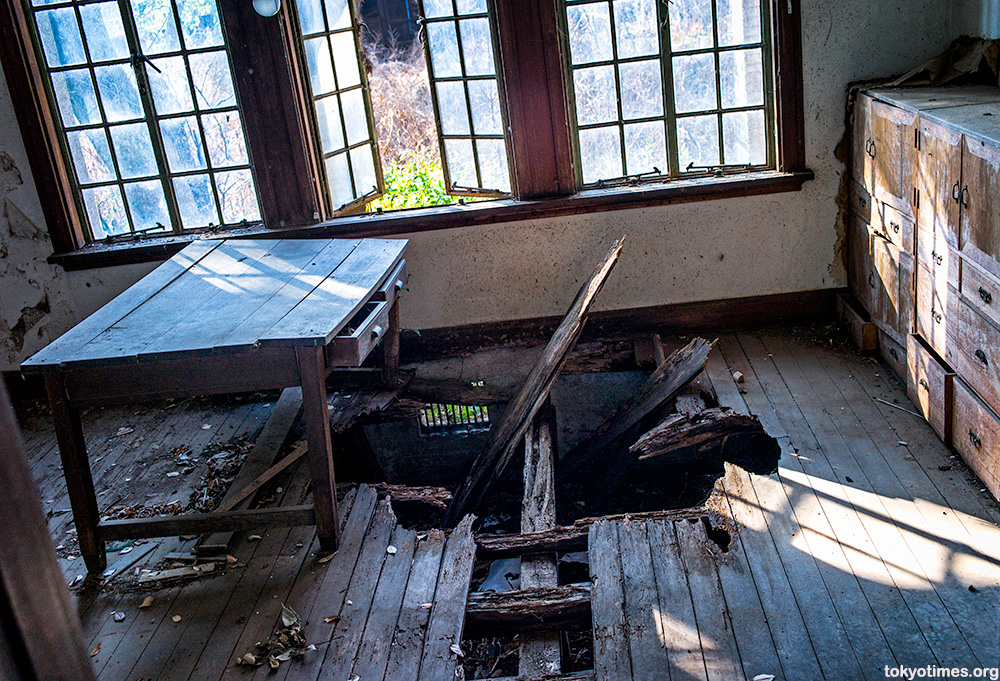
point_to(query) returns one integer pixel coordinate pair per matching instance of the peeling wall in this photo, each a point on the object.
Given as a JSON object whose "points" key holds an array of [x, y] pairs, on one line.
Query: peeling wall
{"points": [[717, 249]]}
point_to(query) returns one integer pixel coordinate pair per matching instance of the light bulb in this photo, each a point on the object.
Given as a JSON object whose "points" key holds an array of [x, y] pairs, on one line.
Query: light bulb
{"points": [[266, 8]]}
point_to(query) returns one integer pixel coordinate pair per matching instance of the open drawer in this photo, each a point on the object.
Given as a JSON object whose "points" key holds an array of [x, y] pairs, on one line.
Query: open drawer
{"points": [[389, 289], [351, 346], [929, 385]]}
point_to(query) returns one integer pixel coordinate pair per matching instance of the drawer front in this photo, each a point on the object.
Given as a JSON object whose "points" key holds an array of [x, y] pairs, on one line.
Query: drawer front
{"points": [[351, 347], [894, 288], [893, 155], [976, 435], [861, 201], [932, 310], [937, 254], [929, 385], [894, 226], [974, 349], [393, 284], [893, 353], [982, 292], [861, 274]]}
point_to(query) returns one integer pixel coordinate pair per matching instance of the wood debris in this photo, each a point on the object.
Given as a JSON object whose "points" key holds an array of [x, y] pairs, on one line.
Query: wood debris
{"points": [[287, 641], [176, 574]]}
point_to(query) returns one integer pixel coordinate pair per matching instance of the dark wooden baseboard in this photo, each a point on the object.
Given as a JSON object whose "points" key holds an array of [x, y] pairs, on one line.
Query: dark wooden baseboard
{"points": [[801, 307]]}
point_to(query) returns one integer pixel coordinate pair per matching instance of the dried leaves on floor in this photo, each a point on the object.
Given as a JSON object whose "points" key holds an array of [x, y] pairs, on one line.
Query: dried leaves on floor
{"points": [[287, 641]]}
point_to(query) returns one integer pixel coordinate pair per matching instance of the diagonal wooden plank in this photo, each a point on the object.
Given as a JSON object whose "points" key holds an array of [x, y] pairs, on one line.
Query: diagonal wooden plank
{"points": [[317, 318], [121, 306], [439, 662], [643, 614], [408, 638], [611, 646]]}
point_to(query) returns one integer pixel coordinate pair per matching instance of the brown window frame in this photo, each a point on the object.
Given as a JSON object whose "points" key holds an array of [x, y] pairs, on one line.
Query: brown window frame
{"points": [[268, 69]]}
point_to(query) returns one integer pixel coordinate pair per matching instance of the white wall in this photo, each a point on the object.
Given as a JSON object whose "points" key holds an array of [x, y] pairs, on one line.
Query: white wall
{"points": [[717, 249]]}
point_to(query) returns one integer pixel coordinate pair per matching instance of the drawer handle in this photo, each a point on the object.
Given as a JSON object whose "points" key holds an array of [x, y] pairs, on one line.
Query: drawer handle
{"points": [[985, 295], [923, 384], [895, 226], [963, 197], [937, 257], [936, 316], [399, 284], [981, 356], [376, 331], [870, 147], [974, 439], [863, 201], [871, 279], [895, 356], [955, 191]]}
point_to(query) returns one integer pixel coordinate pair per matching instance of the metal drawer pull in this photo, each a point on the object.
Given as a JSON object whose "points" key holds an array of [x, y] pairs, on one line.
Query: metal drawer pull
{"points": [[955, 192], [963, 197], [895, 355], [376, 332], [985, 295], [871, 279], [981, 356], [936, 316], [923, 384], [937, 257], [974, 439], [895, 226], [870, 147], [399, 284]]}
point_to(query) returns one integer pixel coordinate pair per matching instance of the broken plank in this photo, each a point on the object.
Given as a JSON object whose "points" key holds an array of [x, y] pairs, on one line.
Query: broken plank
{"points": [[611, 648], [570, 676], [505, 435], [176, 574], [242, 495], [435, 497], [527, 610], [641, 604], [172, 526]]}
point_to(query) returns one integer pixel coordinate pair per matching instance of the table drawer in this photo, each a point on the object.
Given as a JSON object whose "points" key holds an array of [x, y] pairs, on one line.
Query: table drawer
{"points": [[893, 353], [393, 284], [982, 292], [892, 225], [932, 309], [929, 385], [976, 435], [362, 333], [974, 349], [861, 201]]}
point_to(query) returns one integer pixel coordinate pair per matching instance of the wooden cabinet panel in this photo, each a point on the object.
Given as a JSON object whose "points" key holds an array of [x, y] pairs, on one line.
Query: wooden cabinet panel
{"points": [[860, 271], [861, 201], [974, 349], [937, 179], [862, 162], [937, 254], [976, 435], [895, 226], [893, 155], [981, 292], [932, 309], [980, 212], [894, 286], [929, 385], [894, 354]]}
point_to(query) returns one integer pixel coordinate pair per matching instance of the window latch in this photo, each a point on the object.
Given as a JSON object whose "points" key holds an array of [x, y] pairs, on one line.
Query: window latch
{"points": [[718, 170]]}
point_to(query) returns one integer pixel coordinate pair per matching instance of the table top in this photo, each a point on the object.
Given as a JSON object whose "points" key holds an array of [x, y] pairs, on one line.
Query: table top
{"points": [[230, 296]]}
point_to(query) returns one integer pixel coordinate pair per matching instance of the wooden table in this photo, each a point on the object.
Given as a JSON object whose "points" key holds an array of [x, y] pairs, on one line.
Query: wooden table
{"points": [[225, 317]]}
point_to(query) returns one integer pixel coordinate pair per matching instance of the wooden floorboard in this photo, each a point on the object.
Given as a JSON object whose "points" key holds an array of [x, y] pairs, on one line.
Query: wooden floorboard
{"points": [[641, 604], [612, 659]]}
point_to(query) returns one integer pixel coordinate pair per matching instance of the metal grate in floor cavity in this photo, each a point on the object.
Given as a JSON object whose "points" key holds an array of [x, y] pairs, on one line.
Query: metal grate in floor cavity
{"points": [[447, 419]]}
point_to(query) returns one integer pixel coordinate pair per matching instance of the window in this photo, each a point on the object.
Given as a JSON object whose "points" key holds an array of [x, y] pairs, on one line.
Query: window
{"points": [[146, 112], [131, 109]]}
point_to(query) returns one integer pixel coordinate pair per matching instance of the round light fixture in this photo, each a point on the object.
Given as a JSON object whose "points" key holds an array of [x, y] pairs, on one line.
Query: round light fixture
{"points": [[266, 8]]}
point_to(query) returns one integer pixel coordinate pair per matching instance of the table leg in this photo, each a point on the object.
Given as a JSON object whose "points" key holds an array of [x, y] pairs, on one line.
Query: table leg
{"points": [[390, 350], [317, 419], [76, 470]]}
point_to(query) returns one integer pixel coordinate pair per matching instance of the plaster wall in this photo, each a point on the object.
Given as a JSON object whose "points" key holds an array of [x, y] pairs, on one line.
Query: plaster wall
{"points": [[702, 251], [976, 17]]}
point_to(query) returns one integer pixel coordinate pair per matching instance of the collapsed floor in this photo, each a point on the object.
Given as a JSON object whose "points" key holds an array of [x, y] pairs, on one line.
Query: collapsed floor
{"points": [[871, 545]]}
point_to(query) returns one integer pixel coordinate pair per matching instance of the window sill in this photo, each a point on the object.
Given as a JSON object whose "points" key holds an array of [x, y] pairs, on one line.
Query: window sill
{"points": [[446, 217]]}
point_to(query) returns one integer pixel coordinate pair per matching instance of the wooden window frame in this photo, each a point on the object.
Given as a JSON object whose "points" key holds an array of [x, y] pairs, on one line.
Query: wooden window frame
{"points": [[281, 140]]}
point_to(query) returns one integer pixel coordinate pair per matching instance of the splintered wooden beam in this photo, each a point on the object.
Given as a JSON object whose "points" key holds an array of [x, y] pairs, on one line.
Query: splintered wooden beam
{"points": [[625, 421], [528, 610], [506, 435]]}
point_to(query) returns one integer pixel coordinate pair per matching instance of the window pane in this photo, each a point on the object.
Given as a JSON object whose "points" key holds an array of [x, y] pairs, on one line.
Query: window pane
{"points": [[199, 23], [182, 143], [102, 25], [119, 92], [690, 24], [739, 21], [224, 137], [741, 78], [645, 148], [698, 141], [438, 8], [477, 47], [345, 57], [60, 34], [642, 92], [338, 179], [237, 197], [743, 137], [471, 6], [454, 110], [213, 83], [337, 14], [694, 83], [328, 117], [155, 21], [91, 156], [320, 66], [589, 32], [147, 204], [106, 211], [310, 16], [461, 163], [354, 116], [635, 28], [595, 95], [493, 164], [443, 44], [171, 91], [134, 150], [485, 100], [76, 97], [600, 154], [195, 201], [363, 165]]}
